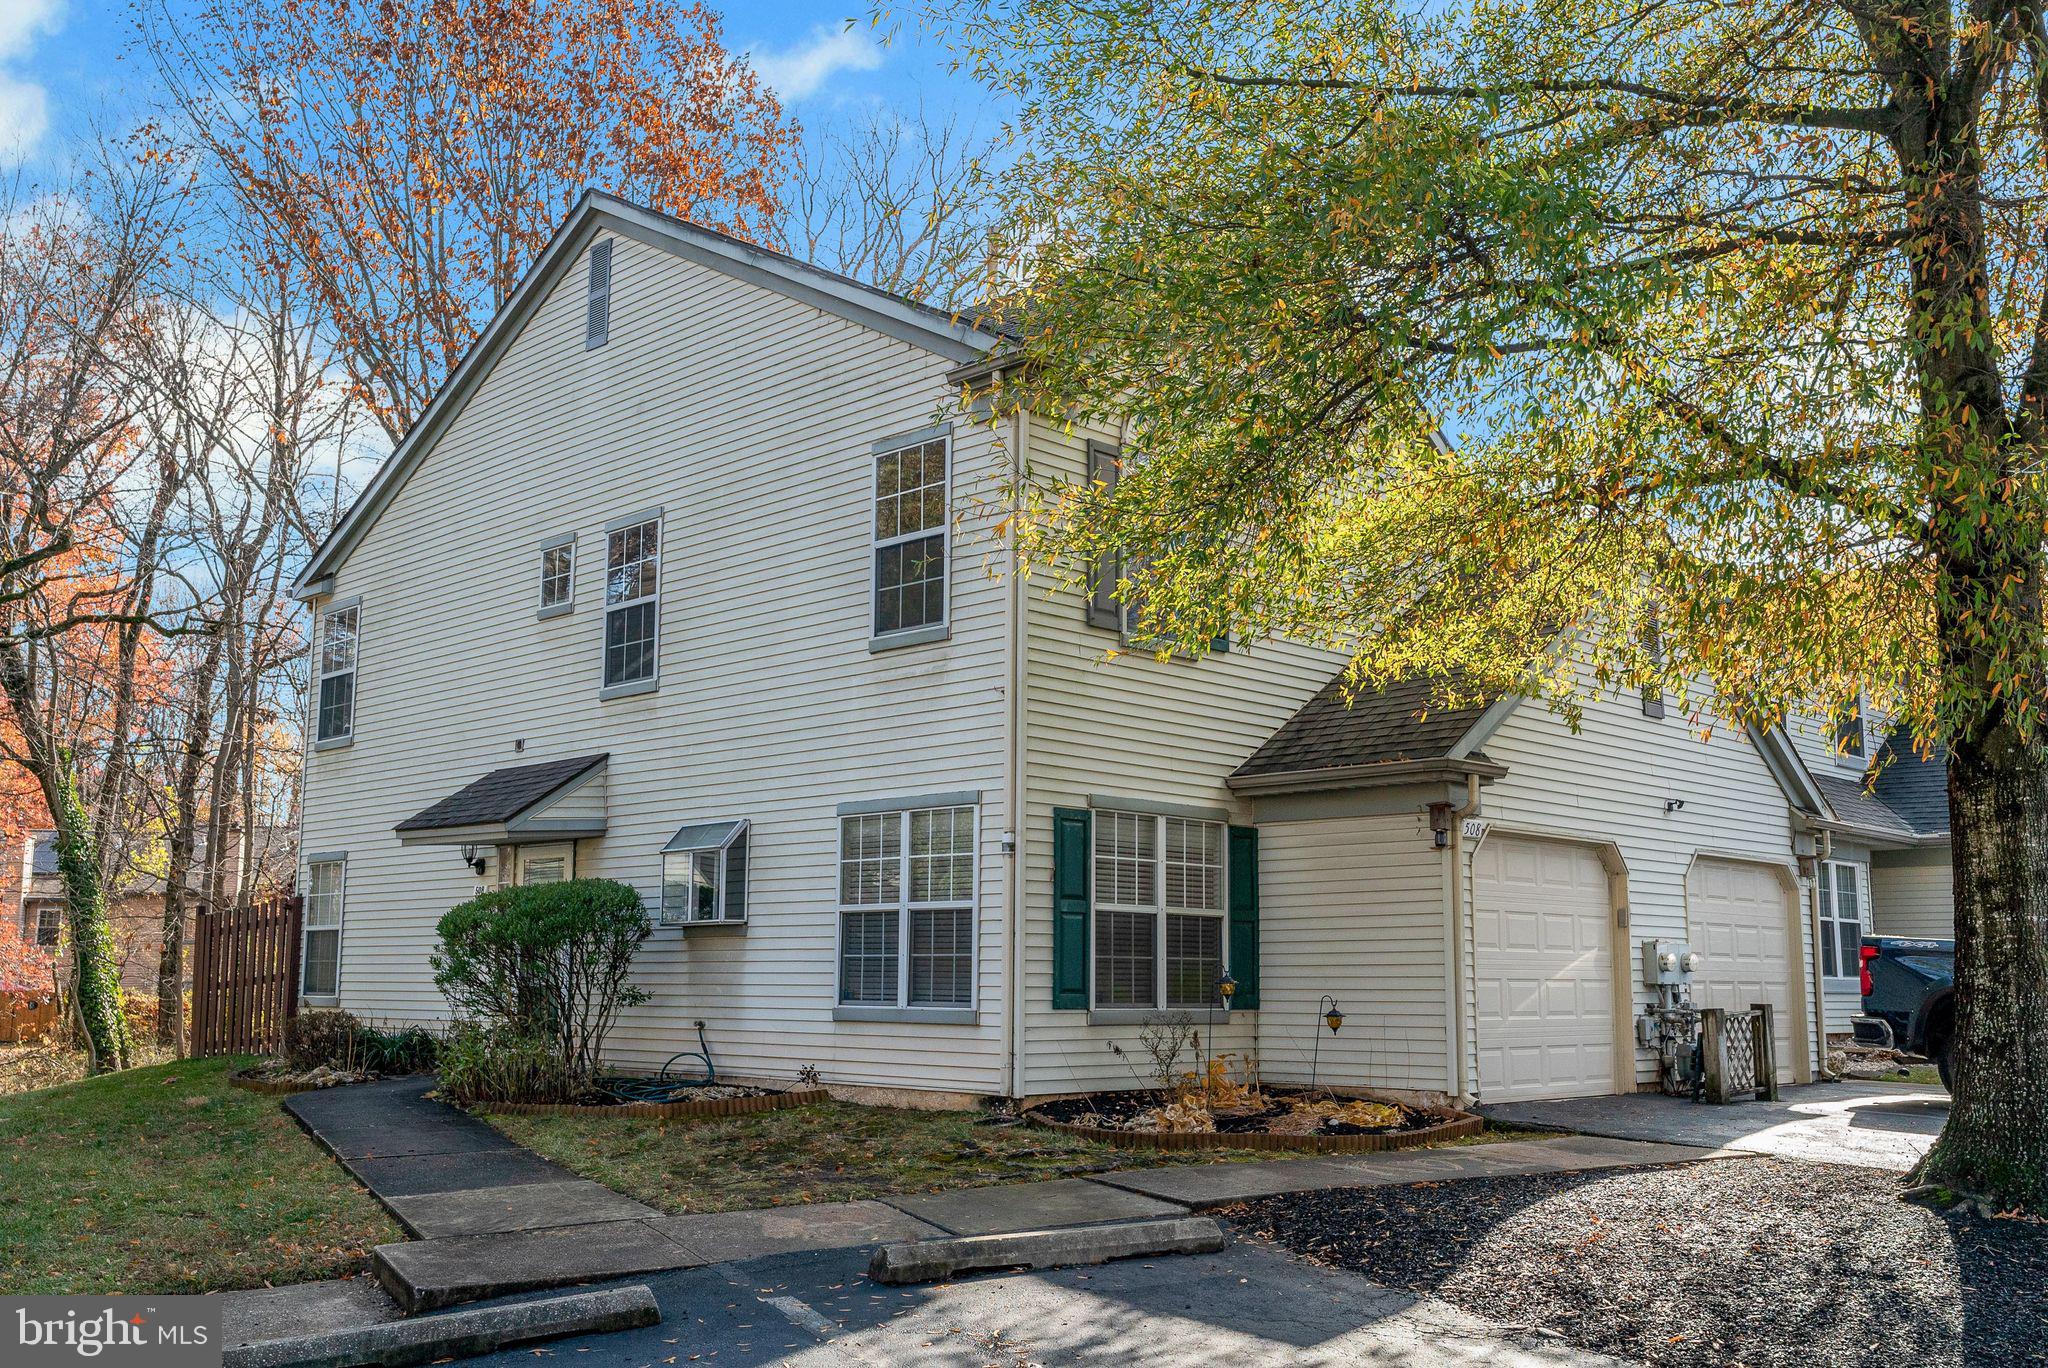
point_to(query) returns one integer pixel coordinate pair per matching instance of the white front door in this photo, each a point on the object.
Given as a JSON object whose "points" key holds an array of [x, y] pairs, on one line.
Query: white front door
{"points": [[1739, 919], [1544, 970], [539, 864]]}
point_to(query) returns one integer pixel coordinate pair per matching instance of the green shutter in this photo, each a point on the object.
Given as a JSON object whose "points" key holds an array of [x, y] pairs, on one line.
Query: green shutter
{"points": [[1070, 904], [1244, 915]]}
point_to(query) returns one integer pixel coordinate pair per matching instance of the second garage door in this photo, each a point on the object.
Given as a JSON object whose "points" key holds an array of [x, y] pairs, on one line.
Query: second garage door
{"points": [[1739, 921], [1544, 968]]}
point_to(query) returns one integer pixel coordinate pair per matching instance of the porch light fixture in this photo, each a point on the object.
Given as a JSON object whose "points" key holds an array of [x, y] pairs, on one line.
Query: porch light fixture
{"points": [[473, 856]]}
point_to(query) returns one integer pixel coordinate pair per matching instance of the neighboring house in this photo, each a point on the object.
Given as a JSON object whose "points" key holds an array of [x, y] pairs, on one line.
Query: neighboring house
{"points": [[688, 578], [135, 908]]}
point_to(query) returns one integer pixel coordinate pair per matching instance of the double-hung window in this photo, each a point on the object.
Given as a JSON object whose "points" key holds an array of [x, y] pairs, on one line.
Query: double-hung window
{"points": [[632, 603], [339, 630], [49, 924], [704, 875], [321, 957], [906, 908], [910, 536], [558, 577], [1159, 910], [1841, 919]]}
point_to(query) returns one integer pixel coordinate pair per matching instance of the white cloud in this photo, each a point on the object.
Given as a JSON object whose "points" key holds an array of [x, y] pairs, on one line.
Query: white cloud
{"points": [[798, 71], [24, 115], [24, 104]]}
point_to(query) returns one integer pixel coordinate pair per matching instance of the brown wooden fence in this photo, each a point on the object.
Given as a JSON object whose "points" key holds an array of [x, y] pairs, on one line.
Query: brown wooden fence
{"points": [[245, 977], [26, 1016]]}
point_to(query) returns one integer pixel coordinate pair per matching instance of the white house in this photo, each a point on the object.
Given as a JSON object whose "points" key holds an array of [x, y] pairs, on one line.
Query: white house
{"points": [[688, 579]]}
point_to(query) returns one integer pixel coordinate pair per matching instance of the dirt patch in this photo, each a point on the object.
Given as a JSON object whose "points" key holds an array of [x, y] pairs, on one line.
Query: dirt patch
{"points": [[1740, 1261], [1277, 1112]]}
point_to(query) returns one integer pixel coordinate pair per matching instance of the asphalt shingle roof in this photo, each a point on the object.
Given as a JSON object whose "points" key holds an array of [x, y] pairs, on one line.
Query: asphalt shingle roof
{"points": [[501, 795], [1909, 799], [1400, 721]]}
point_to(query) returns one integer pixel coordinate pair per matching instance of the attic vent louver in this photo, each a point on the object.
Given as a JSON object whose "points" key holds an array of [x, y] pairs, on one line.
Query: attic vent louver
{"points": [[598, 321]]}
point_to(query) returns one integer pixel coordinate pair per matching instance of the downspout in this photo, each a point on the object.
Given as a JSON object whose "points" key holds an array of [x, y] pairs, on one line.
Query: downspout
{"points": [[1014, 646], [1823, 849], [1460, 1081]]}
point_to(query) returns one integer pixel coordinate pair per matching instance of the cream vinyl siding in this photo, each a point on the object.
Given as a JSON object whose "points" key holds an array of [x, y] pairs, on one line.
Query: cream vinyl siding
{"points": [[1354, 907], [749, 419], [1912, 893], [1132, 727], [1610, 782]]}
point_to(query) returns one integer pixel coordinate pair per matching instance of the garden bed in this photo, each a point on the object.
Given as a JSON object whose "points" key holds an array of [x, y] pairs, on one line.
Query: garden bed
{"points": [[276, 1078], [727, 1100], [1274, 1119]]}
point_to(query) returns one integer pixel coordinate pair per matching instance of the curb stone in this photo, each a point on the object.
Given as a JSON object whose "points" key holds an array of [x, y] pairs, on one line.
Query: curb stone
{"points": [[459, 1334], [935, 1260]]}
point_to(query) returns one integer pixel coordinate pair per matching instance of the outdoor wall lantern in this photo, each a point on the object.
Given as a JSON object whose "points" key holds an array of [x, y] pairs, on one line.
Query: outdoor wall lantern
{"points": [[473, 856]]}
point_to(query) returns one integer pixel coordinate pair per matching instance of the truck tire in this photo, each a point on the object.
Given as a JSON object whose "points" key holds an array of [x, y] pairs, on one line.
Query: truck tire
{"points": [[1942, 1051]]}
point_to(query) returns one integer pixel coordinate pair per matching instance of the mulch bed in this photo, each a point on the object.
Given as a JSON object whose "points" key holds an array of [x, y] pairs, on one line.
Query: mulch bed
{"points": [[1736, 1261], [1108, 1116], [718, 1100], [1118, 1108]]}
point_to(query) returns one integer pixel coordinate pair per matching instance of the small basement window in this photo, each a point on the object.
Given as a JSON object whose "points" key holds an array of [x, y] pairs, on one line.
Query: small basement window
{"points": [[704, 874]]}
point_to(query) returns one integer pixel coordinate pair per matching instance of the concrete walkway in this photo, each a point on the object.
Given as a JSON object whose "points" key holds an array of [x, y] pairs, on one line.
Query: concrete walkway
{"points": [[494, 1220], [1868, 1125]]}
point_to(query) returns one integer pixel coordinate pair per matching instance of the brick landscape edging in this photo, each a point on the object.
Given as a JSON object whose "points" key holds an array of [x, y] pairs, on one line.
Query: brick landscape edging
{"points": [[1460, 1125], [723, 1106]]}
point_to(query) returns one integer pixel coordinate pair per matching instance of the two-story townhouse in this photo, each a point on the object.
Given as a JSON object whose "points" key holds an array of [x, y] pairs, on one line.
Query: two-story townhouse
{"points": [[690, 577]]}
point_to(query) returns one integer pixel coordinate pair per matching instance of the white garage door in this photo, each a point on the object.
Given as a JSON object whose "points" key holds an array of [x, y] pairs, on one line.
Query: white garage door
{"points": [[1738, 921], [1545, 971]]}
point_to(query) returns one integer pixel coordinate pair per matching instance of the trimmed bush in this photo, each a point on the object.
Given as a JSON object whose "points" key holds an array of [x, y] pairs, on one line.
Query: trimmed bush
{"points": [[312, 1039], [546, 962]]}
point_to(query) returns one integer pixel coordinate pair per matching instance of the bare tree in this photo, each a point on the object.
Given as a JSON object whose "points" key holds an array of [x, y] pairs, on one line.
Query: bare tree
{"points": [[897, 203]]}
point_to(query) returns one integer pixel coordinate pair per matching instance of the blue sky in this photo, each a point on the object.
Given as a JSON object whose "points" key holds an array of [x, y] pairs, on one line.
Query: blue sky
{"points": [[63, 66]]}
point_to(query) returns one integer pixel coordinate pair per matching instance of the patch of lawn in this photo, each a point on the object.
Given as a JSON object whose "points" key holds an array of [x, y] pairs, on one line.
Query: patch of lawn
{"points": [[165, 1179], [832, 1152]]}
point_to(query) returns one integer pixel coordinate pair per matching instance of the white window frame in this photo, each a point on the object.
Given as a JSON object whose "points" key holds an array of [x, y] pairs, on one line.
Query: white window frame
{"points": [[618, 527], [1858, 759], [902, 1008], [307, 930], [321, 674], [567, 603], [1830, 874], [1158, 909], [930, 631], [722, 855]]}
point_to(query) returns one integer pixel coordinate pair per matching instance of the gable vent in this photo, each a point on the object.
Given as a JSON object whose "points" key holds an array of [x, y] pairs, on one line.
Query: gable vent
{"points": [[598, 318]]}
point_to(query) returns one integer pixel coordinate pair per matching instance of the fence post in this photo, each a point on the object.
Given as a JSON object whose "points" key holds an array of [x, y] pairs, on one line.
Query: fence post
{"points": [[1713, 1055], [1766, 1052]]}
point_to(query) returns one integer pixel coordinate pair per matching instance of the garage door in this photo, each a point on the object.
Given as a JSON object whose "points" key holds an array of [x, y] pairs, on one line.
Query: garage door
{"points": [[1545, 971], [1738, 921]]}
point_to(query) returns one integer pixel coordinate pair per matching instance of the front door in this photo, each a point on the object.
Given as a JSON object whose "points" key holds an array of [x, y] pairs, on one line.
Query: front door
{"points": [[552, 863]]}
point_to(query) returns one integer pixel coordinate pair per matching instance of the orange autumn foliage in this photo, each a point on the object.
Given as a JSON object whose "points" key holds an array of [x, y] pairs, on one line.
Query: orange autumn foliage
{"points": [[413, 156]]}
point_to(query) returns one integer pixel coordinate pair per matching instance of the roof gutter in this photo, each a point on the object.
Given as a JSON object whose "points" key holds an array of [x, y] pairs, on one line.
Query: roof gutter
{"points": [[1380, 775], [1873, 835]]}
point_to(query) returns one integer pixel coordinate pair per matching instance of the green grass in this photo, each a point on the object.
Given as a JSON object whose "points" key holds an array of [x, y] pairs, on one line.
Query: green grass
{"points": [[832, 1152], [165, 1179]]}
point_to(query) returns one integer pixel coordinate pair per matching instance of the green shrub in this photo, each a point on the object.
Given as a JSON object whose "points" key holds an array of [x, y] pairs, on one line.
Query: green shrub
{"points": [[546, 962], [407, 1050], [312, 1039], [504, 1064]]}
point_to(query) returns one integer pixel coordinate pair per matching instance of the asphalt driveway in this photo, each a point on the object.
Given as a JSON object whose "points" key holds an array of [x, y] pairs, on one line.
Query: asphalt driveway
{"points": [[1869, 1125]]}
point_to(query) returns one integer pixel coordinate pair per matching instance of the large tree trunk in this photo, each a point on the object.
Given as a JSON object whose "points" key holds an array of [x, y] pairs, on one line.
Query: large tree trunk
{"points": [[95, 980], [1996, 1143]]}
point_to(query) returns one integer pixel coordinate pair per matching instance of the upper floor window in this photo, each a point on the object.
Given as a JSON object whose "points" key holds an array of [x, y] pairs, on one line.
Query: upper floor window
{"points": [[558, 577], [632, 602], [337, 674], [43, 854], [906, 908], [1159, 918], [1849, 733], [910, 534], [597, 317], [47, 923]]}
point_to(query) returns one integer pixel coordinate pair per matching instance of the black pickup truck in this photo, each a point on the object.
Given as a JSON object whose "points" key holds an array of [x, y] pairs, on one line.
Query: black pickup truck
{"points": [[1909, 989]]}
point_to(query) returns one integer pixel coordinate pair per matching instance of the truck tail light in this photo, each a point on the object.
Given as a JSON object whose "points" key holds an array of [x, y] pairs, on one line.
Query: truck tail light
{"points": [[1869, 953]]}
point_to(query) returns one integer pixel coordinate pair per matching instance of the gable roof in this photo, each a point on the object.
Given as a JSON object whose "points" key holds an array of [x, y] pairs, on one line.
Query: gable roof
{"points": [[1395, 724], [1908, 801], [953, 336], [501, 795]]}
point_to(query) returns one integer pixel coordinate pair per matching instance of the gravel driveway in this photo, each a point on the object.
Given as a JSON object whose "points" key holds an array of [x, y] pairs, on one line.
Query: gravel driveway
{"points": [[1739, 1261]]}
